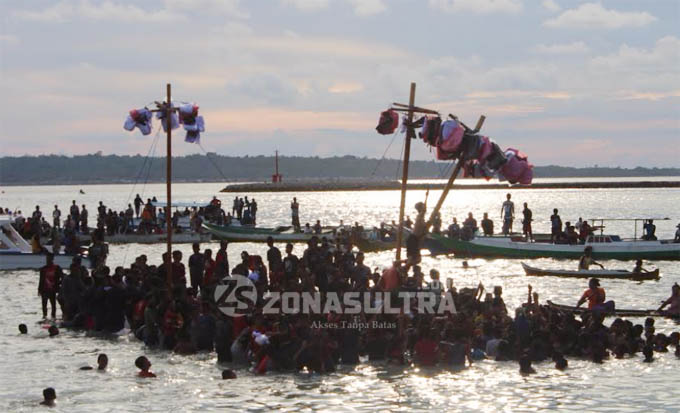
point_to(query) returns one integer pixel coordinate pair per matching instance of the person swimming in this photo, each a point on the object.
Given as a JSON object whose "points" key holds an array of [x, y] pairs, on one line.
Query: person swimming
{"points": [[23, 329], [49, 397], [228, 374], [143, 364], [53, 331], [102, 363]]}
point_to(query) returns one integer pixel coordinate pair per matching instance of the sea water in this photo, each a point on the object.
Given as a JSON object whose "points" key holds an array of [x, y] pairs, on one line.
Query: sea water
{"points": [[32, 362]]}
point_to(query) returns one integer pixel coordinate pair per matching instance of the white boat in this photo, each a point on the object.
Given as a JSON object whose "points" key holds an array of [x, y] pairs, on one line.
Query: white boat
{"points": [[188, 237], [16, 253]]}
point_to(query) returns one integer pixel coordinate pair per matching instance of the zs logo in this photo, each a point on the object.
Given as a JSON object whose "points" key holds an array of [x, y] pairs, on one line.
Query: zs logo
{"points": [[236, 296]]}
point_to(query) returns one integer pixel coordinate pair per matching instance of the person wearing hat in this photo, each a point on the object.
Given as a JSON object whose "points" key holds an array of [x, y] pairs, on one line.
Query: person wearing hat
{"points": [[587, 260], [594, 294]]}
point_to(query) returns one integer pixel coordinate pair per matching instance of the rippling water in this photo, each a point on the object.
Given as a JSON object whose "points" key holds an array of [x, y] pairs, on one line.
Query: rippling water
{"points": [[30, 363]]}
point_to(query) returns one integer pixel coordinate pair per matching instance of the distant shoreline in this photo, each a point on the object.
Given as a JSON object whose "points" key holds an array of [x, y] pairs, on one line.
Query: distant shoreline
{"points": [[395, 185]]}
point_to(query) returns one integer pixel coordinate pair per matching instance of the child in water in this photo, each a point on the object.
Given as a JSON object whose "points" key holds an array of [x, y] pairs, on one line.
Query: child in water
{"points": [[143, 364], [49, 396]]}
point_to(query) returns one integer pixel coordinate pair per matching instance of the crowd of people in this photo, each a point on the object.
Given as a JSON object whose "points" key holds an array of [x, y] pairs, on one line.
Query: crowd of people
{"points": [[182, 314]]}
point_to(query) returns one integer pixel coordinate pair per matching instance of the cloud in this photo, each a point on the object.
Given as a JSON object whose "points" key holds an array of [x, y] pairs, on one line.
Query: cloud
{"points": [[368, 7], [551, 5], [65, 11], [595, 16], [8, 39], [663, 58], [307, 5], [477, 6], [565, 48], [231, 8], [346, 87]]}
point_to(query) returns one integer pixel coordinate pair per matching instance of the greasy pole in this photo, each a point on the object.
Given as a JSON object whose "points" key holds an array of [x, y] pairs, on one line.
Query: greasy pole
{"points": [[404, 177], [449, 184], [168, 183], [454, 174]]}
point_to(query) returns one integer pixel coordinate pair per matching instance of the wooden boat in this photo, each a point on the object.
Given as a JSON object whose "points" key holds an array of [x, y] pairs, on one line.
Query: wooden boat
{"points": [[605, 247], [599, 273], [615, 313], [252, 234]]}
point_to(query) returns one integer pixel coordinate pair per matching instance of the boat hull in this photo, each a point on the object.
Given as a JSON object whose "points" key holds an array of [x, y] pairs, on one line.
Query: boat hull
{"points": [[27, 261], [617, 312], [620, 274], [499, 247], [181, 238], [246, 234]]}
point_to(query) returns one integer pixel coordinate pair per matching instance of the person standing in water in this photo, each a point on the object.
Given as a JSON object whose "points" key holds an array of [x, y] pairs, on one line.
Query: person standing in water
{"points": [[49, 283]]}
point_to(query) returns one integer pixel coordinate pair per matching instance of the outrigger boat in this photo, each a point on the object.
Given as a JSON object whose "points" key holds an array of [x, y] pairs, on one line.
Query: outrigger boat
{"points": [[605, 247], [615, 313], [235, 233], [16, 253], [599, 273]]}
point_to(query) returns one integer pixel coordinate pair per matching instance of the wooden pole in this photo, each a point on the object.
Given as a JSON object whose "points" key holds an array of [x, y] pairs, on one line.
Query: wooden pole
{"points": [[448, 187], [452, 178], [404, 176], [168, 181]]}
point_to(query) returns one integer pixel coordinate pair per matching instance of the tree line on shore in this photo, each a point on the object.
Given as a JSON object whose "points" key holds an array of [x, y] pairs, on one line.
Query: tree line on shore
{"points": [[95, 168]]}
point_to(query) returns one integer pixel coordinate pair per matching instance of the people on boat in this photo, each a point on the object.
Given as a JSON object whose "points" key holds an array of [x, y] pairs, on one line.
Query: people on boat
{"points": [[649, 230], [595, 295], [587, 260], [555, 226], [487, 225], [295, 214], [454, 229], [507, 214], [638, 269], [673, 302], [526, 222], [469, 227]]}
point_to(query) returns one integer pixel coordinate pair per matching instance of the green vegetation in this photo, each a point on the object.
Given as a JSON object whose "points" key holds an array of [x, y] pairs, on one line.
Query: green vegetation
{"points": [[92, 169]]}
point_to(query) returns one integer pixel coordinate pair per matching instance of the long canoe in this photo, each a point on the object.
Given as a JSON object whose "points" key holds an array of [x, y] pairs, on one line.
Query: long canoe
{"points": [[624, 274], [616, 313], [251, 234], [604, 248]]}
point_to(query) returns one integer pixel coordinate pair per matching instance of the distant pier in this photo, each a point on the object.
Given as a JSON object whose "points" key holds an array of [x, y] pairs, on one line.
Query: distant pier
{"points": [[321, 186]]}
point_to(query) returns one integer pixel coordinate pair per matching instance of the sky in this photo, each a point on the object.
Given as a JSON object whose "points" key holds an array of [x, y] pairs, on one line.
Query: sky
{"points": [[573, 83]]}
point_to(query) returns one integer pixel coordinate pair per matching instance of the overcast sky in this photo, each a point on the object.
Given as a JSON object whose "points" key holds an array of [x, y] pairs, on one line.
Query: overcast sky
{"points": [[568, 82]]}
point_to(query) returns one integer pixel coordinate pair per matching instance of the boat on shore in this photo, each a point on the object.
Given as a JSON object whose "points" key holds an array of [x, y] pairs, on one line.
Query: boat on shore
{"points": [[599, 273], [16, 253], [236, 233], [615, 313], [605, 247]]}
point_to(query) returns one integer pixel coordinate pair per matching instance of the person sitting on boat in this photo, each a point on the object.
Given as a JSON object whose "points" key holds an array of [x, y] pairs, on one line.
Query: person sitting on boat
{"points": [[595, 295], [454, 229], [469, 227], [571, 235], [638, 268], [674, 301], [584, 231], [587, 260], [649, 231], [308, 229], [487, 225]]}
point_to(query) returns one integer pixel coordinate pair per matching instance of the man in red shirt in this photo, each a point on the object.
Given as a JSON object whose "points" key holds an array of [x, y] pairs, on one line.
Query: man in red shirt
{"points": [[594, 294], [50, 282]]}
